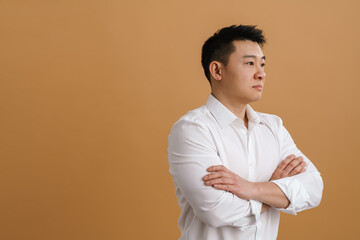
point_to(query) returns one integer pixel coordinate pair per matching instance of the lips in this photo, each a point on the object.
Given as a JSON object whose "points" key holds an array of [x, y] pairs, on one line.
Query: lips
{"points": [[258, 86]]}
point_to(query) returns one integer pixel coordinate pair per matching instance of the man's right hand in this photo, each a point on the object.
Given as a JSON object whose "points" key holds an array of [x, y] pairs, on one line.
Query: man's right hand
{"points": [[289, 167]]}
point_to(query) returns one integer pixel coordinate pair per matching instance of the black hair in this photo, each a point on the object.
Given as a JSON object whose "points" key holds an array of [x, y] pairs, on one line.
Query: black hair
{"points": [[219, 46]]}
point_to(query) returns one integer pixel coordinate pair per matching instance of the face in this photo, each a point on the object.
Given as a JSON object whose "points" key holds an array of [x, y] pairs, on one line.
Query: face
{"points": [[243, 78]]}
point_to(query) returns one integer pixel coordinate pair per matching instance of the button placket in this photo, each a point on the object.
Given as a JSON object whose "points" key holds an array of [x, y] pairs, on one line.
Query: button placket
{"points": [[252, 176], [250, 158]]}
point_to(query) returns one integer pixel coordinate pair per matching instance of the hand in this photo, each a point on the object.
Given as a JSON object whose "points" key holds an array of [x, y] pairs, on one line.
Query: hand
{"points": [[264, 208], [289, 167], [223, 179]]}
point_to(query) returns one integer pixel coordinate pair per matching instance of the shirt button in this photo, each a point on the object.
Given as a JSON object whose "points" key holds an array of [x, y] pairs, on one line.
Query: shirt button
{"points": [[251, 164]]}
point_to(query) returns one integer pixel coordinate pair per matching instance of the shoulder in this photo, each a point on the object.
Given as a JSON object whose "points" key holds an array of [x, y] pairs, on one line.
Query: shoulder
{"points": [[197, 118], [192, 130], [273, 121]]}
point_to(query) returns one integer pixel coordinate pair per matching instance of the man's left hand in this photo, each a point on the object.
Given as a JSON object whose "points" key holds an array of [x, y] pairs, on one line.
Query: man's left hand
{"points": [[223, 179]]}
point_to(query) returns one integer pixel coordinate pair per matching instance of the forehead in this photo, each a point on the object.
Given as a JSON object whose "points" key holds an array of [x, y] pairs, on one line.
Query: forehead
{"points": [[247, 47]]}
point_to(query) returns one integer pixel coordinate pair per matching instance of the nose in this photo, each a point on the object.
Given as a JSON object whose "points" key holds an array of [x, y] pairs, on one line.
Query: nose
{"points": [[260, 74]]}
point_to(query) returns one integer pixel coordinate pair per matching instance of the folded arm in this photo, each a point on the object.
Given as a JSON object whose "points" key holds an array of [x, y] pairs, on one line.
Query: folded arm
{"points": [[304, 190], [191, 153], [266, 192], [295, 185]]}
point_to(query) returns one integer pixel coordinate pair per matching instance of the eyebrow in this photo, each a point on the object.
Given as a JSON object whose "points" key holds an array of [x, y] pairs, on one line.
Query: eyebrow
{"points": [[253, 56]]}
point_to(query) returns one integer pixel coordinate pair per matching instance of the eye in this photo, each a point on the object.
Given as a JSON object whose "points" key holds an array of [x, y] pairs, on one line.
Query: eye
{"points": [[250, 63], [263, 64]]}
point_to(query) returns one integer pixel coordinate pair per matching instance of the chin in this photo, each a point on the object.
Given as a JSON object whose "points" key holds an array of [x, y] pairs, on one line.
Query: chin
{"points": [[255, 99]]}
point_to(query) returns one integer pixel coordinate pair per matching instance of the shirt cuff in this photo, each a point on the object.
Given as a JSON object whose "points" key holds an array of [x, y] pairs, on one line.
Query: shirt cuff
{"points": [[256, 208], [250, 221], [294, 191]]}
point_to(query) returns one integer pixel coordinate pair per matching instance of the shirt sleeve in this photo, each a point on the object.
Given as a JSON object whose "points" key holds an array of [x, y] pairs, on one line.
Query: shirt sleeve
{"points": [[191, 151], [304, 190]]}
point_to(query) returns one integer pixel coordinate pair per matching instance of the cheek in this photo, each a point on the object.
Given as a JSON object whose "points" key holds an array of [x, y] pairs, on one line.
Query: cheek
{"points": [[243, 79], [239, 78]]}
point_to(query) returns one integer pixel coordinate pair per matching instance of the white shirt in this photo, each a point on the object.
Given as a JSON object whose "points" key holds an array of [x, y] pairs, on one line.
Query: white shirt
{"points": [[213, 135]]}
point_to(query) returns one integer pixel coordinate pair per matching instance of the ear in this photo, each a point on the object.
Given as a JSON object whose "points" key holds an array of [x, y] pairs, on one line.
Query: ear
{"points": [[216, 69]]}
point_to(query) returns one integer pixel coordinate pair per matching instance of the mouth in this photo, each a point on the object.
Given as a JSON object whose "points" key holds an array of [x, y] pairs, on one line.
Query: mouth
{"points": [[258, 87]]}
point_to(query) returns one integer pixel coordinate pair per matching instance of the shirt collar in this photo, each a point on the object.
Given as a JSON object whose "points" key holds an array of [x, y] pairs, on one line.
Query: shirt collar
{"points": [[224, 116]]}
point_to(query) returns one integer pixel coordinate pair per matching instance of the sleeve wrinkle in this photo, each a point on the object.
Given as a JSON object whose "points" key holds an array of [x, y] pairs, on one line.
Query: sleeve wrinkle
{"points": [[191, 151], [304, 190]]}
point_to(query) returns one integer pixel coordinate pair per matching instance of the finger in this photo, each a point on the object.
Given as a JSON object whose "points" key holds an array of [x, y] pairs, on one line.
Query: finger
{"points": [[215, 175], [217, 168], [287, 160], [304, 168], [297, 169], [228, 181], [293, 164], [224, 187]]}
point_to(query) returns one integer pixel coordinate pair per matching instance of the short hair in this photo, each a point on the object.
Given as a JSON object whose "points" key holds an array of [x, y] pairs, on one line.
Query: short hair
{"points": [[219, 46]]}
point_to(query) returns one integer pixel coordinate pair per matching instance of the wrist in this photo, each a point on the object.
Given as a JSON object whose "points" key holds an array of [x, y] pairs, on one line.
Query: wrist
{"points": [[256, 190]]}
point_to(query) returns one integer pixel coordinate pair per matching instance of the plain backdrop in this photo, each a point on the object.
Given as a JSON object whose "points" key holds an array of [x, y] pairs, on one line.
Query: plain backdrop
{"points": [[90, 89]]}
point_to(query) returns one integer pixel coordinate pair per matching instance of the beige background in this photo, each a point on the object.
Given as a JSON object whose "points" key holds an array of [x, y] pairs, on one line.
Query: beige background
{"points": [[90, 89]]}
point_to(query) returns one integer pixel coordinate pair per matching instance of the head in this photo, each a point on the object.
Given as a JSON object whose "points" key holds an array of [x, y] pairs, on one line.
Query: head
{"points": [[233, 61]]}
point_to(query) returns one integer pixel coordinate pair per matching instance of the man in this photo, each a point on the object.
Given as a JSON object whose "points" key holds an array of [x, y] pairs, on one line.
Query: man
{"points": [[235, 169]]}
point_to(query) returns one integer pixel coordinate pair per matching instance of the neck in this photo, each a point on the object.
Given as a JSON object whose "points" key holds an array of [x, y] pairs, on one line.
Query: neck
{"points": [[236, 107]]}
